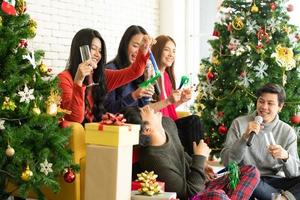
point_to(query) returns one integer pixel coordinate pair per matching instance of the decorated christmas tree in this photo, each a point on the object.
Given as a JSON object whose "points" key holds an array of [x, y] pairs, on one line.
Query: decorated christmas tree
{"points": [[253, 44], [33, 151]]}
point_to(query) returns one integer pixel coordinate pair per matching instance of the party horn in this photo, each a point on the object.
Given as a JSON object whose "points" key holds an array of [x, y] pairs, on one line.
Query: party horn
{"points": [[184, 80], [153, 79]]}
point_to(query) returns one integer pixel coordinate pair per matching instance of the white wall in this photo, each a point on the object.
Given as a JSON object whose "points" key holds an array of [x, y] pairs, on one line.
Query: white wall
{"points": [[208, 16], [295, 15], [172, 23], [59, 20]]}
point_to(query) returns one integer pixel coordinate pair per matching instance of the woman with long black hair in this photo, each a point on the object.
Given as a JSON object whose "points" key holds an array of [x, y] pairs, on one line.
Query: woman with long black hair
{"points": [[87, 103]]}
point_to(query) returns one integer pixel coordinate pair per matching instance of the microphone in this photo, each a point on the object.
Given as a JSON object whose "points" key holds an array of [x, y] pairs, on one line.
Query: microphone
{"points": [[259, 120]]}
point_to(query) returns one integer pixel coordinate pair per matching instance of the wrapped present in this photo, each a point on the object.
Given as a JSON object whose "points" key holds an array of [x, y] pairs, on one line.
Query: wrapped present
{"points": [[112, 135], [108, 172], [135, 195], [136, 185]]}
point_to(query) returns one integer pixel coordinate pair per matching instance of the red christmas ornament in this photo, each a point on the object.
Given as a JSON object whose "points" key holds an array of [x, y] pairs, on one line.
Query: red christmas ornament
{"points": [[295, 119], [207, 141], [263, 35], [290, 8], [220, 114], [297, 36], [229, 27], [273, 6], [69, 176], [243, 74], [210, 75], [222, 129], [216, 33], [8, 8], [259, 46], [23, 43]]}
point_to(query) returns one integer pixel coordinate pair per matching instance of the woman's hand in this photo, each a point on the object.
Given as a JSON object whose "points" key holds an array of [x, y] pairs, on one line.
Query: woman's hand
{"points": [[186, 95], [143, 92], [174, 97], [146, 44], [84, 69]]}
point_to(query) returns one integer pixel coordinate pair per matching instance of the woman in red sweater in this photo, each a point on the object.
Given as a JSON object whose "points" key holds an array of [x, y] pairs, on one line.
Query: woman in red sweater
{"points": [[86, 103], [190, 128]]}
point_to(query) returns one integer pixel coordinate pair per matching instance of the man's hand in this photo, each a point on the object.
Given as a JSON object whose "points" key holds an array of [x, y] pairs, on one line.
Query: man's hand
{"points": [[278, 152], [252, 126], [209, 172], [201, 149]]}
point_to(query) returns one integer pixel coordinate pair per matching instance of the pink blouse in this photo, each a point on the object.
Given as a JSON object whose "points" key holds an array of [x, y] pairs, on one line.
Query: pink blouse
{"points": [[168, 111]]}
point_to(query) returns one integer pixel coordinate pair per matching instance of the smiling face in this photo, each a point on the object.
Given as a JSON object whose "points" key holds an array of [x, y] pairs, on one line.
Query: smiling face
{"points": [[168, 54], [133, 46], [96, 50], [268, 106]]}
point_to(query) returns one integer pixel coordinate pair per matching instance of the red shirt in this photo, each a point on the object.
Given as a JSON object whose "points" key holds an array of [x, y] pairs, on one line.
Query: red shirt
{"points": [[73, 95]]}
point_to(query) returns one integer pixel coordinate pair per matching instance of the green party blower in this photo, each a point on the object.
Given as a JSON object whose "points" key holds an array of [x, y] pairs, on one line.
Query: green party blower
{"points": [[184, 80], [234, 171], [153, 79]]}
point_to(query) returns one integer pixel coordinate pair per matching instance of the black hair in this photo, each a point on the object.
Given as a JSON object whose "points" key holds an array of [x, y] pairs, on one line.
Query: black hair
{"points": [[122, 59], [273, 89], [85, 37], [132, 114]]}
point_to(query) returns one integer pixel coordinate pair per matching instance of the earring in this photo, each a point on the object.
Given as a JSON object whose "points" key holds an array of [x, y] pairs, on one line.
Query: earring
{"points": [[147, 131]]}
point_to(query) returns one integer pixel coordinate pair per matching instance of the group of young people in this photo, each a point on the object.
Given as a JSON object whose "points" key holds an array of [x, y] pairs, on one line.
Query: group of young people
{"points": [[173, 147]]}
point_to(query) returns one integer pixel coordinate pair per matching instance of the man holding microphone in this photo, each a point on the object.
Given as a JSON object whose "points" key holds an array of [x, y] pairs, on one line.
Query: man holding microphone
{"points": [[277, 162]]}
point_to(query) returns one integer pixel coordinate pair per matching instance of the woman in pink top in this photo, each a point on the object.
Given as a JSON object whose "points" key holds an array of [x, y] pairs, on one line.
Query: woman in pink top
{"points": [[86, 103], [189, 128]]}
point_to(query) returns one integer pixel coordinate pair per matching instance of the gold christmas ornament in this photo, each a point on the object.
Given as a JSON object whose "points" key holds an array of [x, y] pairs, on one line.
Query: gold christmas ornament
{"points": [[238, 24], [254, 8], [8, 104], [27, 174], [52, 109], [215, 60], [20, 7], [9, 151], [284, 56], [287, 29], [54, 98], [43, 68], [32, 27], [53, 102], [36, 110], [65, 111]]}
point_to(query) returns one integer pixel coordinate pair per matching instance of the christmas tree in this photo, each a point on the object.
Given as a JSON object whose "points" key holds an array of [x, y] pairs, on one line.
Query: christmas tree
{"points": [[33, 151], [253, 44]]}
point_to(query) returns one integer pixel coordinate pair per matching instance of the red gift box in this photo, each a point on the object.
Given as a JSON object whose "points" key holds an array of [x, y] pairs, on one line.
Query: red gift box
{"points": [[135, 185]]}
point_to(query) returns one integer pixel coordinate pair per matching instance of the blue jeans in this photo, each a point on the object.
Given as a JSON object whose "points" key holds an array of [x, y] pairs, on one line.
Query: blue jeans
{"points": [[269, 185]]}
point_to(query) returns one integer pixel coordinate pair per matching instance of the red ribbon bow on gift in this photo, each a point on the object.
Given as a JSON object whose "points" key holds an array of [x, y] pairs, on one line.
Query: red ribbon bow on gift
{"points": [[112, 119]]}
